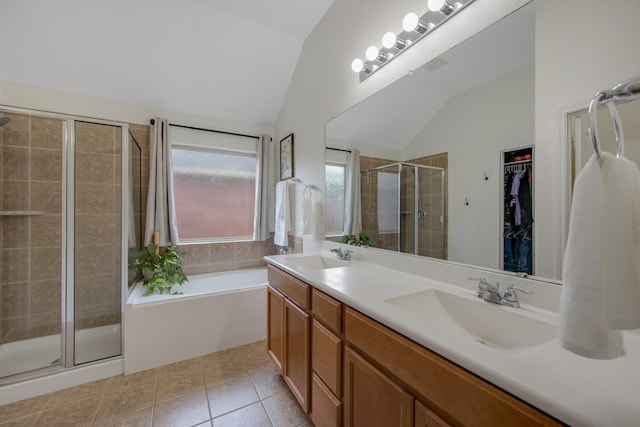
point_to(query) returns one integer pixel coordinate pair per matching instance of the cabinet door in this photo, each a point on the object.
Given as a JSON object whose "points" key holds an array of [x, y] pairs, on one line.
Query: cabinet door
{"points": [[425, 417], [326, 357], [275, 326], [371, 399], [326, 408], [297, 357]]}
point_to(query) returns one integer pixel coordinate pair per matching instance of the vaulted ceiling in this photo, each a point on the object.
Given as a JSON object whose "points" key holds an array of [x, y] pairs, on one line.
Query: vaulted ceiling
{"points": [[227, 59]]}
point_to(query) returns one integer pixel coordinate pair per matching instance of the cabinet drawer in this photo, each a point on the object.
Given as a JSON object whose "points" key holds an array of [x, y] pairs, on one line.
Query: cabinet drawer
{"points": [[326, 357], [458, 395], [326, 409], [297, 291], [327, 310]]}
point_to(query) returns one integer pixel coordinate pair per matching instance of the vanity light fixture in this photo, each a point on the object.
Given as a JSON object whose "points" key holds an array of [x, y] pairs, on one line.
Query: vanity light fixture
{"points": [[414, 27]]}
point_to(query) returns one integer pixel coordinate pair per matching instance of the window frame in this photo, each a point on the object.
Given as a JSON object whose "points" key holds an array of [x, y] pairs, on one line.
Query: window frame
{"points": [[343, 165], [200, 148]]}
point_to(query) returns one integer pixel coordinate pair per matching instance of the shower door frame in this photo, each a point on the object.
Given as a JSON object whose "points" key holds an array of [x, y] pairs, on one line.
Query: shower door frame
{"points": [[67, 329], [416, 195], [68, 303]]}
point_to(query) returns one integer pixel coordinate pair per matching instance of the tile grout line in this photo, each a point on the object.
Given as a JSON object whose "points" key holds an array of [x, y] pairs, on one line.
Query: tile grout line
{"points": [[206, 391], [260, 399]]}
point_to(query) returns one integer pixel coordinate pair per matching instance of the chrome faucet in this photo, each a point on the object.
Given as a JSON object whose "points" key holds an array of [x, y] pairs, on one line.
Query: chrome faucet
{"points": [[342, 254], [491, 293]]}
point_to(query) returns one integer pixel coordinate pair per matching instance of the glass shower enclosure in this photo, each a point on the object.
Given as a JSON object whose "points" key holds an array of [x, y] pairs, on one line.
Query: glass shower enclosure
{"points": [[404, 208], [65, 209]]}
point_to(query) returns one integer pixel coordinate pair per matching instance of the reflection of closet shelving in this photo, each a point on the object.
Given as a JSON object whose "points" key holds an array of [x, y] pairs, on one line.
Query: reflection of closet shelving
{"points": [[517, 166], [21, 213]]}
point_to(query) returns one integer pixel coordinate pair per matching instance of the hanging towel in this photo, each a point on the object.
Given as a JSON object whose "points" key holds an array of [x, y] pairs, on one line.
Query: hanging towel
{"points": [[283, 214], [582, 325], [307, 210], [623, 248]]}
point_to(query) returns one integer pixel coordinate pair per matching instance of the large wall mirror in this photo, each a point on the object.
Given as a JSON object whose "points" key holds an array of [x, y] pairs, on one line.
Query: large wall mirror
{"points": [[440, 150]]}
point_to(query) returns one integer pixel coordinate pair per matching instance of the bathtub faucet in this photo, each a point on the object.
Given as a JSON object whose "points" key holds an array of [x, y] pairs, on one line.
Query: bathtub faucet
{"points": [[342, 254]]}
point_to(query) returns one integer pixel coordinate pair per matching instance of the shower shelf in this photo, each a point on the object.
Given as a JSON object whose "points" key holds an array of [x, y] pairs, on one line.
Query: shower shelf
{"points": [[21, 213]]}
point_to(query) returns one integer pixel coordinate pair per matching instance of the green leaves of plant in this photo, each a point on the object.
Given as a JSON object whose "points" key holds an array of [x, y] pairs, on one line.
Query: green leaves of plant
{"points": [[160, 272]]}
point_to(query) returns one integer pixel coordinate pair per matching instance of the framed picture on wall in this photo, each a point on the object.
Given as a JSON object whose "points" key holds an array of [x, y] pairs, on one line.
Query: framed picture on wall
{"points": [[286, 157]]}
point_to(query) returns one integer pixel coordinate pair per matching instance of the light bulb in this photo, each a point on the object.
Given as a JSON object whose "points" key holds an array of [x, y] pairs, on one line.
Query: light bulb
{"points": [[357, 65], [389, 39], [372, 53], [435, 5], [410, 21]]}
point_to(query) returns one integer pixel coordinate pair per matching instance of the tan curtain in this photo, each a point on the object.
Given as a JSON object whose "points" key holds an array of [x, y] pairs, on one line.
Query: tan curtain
{"points": [[352, 194], [263, 175], [161, 212]]}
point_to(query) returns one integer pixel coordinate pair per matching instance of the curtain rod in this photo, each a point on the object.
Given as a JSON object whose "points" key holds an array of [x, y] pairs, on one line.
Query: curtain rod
{"points": [[209, 130], [338, 149]]}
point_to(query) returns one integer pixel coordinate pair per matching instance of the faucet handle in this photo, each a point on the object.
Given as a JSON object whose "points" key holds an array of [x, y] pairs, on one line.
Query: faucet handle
{"points": [[481, 285], [511, 298], [511, 290]]}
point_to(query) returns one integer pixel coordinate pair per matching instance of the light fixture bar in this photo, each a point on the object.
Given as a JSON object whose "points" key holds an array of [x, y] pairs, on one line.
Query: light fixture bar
{"points": [[415, 28]]}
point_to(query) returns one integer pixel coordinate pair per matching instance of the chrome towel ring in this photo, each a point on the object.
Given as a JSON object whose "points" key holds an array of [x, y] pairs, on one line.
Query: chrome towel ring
{"points": [[622, 92]]}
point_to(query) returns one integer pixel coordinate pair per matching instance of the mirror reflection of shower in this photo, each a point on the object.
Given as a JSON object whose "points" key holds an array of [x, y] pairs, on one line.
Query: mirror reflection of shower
{"points": [[404, 208]]}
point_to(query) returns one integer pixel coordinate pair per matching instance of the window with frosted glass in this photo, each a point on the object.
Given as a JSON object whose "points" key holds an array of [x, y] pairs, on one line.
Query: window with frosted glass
{"points": [[214, 193], [334, 193]]}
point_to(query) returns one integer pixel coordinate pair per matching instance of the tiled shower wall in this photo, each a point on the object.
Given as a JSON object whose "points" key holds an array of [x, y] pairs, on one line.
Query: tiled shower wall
{"points": [[98, 158], [433, 236], [30, 227]]}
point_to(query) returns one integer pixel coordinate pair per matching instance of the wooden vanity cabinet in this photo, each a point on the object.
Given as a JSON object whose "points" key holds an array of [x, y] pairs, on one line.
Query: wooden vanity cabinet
{"points": [[289, 332], [347, 369], [449, 393]]}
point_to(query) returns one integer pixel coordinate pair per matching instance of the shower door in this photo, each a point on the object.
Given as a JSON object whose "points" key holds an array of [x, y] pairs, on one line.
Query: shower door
{"points": [[31, 242], [63, 246], [97, 241], [404, 208]]}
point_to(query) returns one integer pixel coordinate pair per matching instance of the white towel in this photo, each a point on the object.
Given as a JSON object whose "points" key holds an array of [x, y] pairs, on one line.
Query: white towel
{"points": [[623, 278], [307, 211], [583, 326], [283, 214]]}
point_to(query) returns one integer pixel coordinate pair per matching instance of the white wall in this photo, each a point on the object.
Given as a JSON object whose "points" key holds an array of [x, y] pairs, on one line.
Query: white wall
{"points": [[581, 46], [323, 84], [474, 127], [37, 98]]}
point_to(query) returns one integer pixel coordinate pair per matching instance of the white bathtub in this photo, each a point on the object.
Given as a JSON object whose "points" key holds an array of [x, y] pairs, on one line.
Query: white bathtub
{"points": [[215, 311]]}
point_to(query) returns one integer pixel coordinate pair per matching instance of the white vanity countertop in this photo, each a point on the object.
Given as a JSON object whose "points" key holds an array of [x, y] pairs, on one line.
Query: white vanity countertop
{"points": [[574, 389]]}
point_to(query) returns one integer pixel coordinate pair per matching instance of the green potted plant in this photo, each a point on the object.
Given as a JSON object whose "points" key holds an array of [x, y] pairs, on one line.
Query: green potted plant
{"points": [[159, 270], [361, 240]]}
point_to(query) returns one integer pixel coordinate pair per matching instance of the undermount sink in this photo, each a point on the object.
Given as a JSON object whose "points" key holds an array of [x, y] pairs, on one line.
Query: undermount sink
{"points": [[488, 324], [317, 262]]}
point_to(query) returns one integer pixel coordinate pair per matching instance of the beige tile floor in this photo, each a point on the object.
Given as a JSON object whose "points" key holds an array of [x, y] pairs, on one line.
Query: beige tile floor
{"points": [[235, 387]]}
